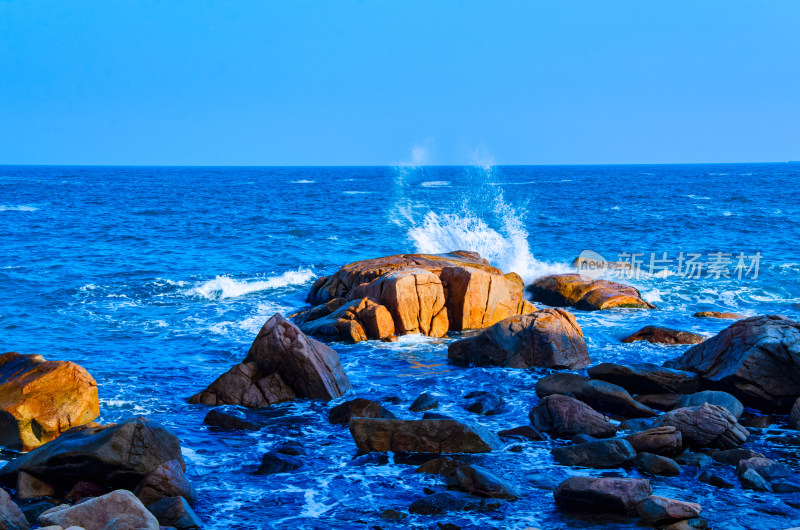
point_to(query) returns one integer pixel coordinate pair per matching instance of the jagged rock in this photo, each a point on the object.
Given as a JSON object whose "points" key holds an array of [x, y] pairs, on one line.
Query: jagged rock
{"points": [[11, 517], [357, 408], [353, 321], [656, 509], [732, 457], [581, 292], [421, 436], [484, 403], [598, 454], [658, 335], [453, 501], [717, 314], [479, 481], [274, 462], [41, 399], [116, 510], [665, 441], [175, 512], [600, 395], [524, 432], [657, 464], [282, 364], [646, 378], [714, 397], [548, 338], [566, 416], [706, 426], [756, 359], [30, 487], [167, 480], [779, 477], [601, 495], [424, 401]]}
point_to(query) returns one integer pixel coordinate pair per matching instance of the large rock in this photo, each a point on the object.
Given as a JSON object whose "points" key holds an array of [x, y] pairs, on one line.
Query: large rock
{"points": [[598, 454], [548, 338], [421, 436], [479, 481], [714, 397], [657, 464], [794, 416], [353, 321], [646, 378], [41, 399], [11, 517], [756, 359], [452, 501], [566, 416], [117, 456], [117, 510], [658, 335], [167, 480], [779, 477], [581, 292], [655, 509], [428, 293], [600, 395], [665, 441], [282, 364], [706, 426], [357, 408], [175, 512], [601, 495]]}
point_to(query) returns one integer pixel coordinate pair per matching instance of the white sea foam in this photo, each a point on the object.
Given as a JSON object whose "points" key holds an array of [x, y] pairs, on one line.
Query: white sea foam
{"points": [[303, 181], [435, 184], [18, 208], [227, 287]]}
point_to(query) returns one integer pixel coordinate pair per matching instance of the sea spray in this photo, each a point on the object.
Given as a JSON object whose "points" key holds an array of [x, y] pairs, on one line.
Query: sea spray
{"points": [[227, 287]]}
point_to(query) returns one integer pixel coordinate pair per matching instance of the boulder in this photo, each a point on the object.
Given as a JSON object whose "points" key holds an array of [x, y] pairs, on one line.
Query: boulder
{"points": [[694, 459], [549, 338], [282, 364], [357, 408], [83, 489], [229, 419], [11, 517], [657, 464], [756, 359], [732, 457], [710, 478], [118, 509], [706, 426], [646, 378], [581, 292], [117, 455], [598, 454], [424, 401], [665, 441], [717, 314], [479, 481], [524, 432], [421, 436], [566, 416], [564, 383], [484, 403], [658, 335], [353, 321], [274, 462], [656, 509], [600, 395], [439, 466], [659, 401], [41, 399], [453, 501], [176, 513], [779, 477], [167, 480], [714, 397], [30, 487], [601, 495]]}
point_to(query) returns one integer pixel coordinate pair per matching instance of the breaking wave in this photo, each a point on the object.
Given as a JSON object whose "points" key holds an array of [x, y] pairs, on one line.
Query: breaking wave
{"points": [[226, 287]]}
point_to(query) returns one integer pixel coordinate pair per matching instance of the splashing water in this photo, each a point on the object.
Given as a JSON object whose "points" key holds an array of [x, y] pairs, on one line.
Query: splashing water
{"points": [[226, 287]]}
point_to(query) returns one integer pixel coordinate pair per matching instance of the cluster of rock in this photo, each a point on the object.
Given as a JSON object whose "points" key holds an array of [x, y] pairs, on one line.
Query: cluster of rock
{"points": [[584, 293]]}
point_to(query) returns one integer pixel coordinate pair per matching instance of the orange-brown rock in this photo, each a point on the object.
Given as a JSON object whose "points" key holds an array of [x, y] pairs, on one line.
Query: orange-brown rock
{"points": [[718, 314], [659, 335], [41, 399], [351, 322], [581, 292]]}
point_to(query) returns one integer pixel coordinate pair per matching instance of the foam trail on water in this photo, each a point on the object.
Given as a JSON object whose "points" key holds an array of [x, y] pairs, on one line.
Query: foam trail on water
{"points": [[226, 287]]}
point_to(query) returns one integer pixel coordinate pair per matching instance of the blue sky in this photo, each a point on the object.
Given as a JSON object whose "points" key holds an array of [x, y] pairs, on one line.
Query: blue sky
{"points": [[326, 82]]}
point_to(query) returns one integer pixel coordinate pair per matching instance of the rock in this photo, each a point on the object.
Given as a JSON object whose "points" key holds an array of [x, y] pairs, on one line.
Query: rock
{"points": [[646, 378], [523, 432], [581, 292], [353, 321], [393, 515], [756, 359], [227, 419], [357, 408], [717, 314], [429, 294], [706, 426], [658, 335], [83, 489], [424, 402], [30, 487], [291, 448], [175, 512], [566, 416], [660, 401], [757, 421], [598, 454], [600, 395], [119, 509], [274, 462], [665, 441], [479, 481], [657, 464], [435, 416], [656, 509], [11, 517], [752, 480], [484, 403], [713, 397], [714, 480], [601, 495], [117, 455], [780, 477], [452, 501], [421, 436], [167, 480], [549, 338], [282, 364], [732, 457], [439, 466], [564, 383], [636, 424], [41, 399], [794, 415], [694, 460]]}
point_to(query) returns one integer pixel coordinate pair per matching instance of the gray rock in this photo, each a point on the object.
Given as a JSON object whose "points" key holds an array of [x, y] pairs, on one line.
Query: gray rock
{"points": [[714, 397]]}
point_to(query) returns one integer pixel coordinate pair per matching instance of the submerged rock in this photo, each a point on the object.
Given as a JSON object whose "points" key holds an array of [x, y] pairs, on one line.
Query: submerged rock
{"points": [[706, 426], [421, 436], [646, 378], [659, 335], [282, 364], [118, 509], [353, 321], [600, 395], [566, 416], [424, 401], [41, 399], [581, 292], [479, 481], [452, 501], [484, 403], [601, 495], [547, 338], [598, 454], [274, 462], [357, 408]]}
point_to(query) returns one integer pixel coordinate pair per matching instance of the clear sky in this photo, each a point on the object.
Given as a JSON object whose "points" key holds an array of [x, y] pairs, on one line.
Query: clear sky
{"points": [[340, 82]]}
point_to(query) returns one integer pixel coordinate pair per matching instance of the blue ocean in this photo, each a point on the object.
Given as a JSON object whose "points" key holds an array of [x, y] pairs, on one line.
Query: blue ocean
{"points": [[157, 279]]}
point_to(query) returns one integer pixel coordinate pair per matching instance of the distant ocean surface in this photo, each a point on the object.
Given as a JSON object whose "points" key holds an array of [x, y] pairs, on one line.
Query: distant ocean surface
{"points": [[156, 280]]}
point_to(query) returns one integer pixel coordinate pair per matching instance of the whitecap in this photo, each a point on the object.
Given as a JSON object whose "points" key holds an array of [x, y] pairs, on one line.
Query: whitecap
{"points": [[227, 287], [18, 208], [435, 184], [356, 192], [303, 181]]}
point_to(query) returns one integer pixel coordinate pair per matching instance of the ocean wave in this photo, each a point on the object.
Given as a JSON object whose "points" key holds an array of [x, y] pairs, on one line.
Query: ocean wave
{"points": [[303, 181], [356, 192], [435, 184], [224, 286], [18, 208]]}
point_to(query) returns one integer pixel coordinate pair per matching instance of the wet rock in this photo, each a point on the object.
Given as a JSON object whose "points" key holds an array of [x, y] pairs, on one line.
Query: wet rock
{"points": [[41, 399], [714, 480], [282, 364], [117, 456], [439, 466], [424, 402], [657, 464], [706, 426], [83, 489], [435, 416], [11, 517], [393, 515], [118, 509], [732, 457], [601, 495], [757, 421], [175, 512], [357, 408], [291, 448], [453, 501], [598, 454], [274, 462], [421, 436], [525, 432], [750, 479], [658, 335], [665, 441], [353, 321], [655, 509], [479, 481], [646, 378], [548, 338], [484, 403], [32, 509], [756, 359], [717, 314], [712, 397], [794, 415], [563, 383], [780, 477], [232, 420], [694, 460], [566, 416], [636, 424], [167, 480], [659, 401], [600, 395], [581, 292], [30, 487]]}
